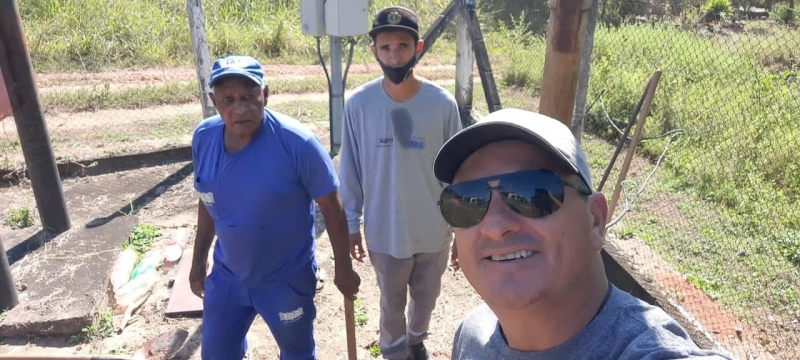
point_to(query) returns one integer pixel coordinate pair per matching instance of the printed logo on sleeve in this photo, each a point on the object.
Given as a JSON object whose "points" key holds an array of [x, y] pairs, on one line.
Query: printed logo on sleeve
{"points": [[207, 197]]}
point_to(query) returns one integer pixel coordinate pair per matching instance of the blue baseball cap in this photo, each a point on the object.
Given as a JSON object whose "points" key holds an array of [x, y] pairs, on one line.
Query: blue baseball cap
{"points": [[236, 65]]}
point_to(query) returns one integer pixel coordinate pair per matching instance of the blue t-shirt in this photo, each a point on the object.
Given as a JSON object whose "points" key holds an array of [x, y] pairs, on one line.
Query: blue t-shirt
{"points": [[262, 197]]}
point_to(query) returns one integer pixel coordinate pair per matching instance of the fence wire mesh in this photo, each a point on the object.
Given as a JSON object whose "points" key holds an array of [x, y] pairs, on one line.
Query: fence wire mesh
{"points": [[709, 208]]}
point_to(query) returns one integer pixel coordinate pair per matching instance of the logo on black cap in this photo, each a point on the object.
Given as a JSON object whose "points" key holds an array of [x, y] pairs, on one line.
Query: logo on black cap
{"points": [[394, 17]]}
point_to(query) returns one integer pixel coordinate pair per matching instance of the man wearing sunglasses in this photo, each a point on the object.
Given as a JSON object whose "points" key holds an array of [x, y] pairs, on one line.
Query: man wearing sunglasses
{"points": [[529, 230]]}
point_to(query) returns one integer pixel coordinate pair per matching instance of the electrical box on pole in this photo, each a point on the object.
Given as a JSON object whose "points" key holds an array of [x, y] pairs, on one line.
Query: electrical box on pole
{"points": [[336, 19], [312, 17], [346, 17]]}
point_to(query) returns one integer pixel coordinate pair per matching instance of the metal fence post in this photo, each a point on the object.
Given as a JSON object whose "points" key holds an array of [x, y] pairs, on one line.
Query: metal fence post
{"points": [[18, 74]]}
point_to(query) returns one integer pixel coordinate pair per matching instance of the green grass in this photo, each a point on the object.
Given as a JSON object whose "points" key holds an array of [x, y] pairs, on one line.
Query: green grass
{"points": [[102, 97], [68, 35], [375, 350], [360, 313], [18, 218], [142, 237], [740, 119], [103, 329]]}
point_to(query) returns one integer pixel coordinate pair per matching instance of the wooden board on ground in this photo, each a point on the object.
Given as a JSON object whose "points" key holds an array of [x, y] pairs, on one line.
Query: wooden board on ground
{"points": [[182, 302]]}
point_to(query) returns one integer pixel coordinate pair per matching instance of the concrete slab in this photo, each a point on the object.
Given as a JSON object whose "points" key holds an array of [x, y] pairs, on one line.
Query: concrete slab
{"points": [[66, 280]]}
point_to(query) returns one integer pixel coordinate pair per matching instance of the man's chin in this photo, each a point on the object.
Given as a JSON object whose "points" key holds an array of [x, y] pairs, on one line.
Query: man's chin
{"points": [[511, 298], [244, 127]]}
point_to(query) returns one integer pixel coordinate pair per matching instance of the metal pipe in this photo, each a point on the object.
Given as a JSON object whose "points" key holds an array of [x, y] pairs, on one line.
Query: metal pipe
{"points": [[8, 292], [336, 94], [18, 74]]}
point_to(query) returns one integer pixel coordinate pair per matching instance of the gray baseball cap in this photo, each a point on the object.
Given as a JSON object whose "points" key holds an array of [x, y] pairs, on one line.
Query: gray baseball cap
{"points": [[512, 124]]}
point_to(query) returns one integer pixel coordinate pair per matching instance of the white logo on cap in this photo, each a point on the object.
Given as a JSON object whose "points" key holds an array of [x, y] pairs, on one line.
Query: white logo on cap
{"points": [[394, 17], [232, 63]]}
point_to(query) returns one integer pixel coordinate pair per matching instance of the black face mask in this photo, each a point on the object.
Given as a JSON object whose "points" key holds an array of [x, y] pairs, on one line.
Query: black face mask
{"points": [[398, 74]]}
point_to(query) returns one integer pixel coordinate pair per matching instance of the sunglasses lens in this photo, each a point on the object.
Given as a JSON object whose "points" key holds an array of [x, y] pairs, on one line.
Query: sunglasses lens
{"points": [[533, 194], [464, 204]]}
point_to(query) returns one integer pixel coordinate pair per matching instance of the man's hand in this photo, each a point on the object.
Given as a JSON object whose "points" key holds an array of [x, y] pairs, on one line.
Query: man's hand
{"points": [[197, 278], [454, 257], [202, 243], [345, 278], [357, 247], [347, 281]]}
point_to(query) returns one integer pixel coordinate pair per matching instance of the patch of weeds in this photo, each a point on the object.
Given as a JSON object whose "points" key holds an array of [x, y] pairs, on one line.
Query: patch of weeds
{"points": [[790, 247], [103, 329], [374, 350], [360, 313], [142, 237], [625, 233], [19, 218], [709, 287], [3, 315], [117, 351]]}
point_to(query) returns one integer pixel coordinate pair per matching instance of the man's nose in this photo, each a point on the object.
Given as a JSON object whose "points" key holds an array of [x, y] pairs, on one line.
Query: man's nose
{"points": [[500, 220], [240, 106], [395, 56]]}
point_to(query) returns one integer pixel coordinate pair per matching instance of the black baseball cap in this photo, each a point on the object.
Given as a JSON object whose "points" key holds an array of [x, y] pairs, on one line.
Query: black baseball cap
{"points": [[395, 18]]}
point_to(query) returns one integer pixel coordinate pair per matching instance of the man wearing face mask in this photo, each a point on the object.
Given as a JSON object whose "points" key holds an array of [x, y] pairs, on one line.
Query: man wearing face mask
{"points": [[392, 129]]}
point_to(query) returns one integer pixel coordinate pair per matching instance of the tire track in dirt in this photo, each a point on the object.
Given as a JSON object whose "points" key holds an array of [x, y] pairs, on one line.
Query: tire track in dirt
{"points": [[91, 135], [112, 132], [107, 132]]}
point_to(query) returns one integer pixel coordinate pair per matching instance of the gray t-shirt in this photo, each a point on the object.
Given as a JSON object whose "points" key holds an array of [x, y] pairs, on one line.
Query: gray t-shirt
{"points": [[624, 328], [385, 167]]}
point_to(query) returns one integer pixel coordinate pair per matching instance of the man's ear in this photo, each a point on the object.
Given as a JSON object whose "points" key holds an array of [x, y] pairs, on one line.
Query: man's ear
{"points": [[213, 101], [266, 94], [420, 45], [372, 48], [598, 211]]}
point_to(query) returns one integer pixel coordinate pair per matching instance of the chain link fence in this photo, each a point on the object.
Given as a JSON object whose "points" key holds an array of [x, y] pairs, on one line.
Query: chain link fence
{"points": [[709, 206], [708, 209], [117, 77]]}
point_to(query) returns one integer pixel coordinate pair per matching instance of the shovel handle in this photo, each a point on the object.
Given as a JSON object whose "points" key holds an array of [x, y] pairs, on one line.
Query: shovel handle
{"points": [[350, 324]]}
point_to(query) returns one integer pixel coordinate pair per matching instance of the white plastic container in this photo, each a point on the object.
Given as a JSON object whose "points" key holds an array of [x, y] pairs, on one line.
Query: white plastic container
{"points": [[134, 290], [175, 246], [122, 268]]}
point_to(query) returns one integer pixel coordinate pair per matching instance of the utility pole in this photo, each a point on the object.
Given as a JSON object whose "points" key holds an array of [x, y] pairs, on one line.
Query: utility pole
{"points": [[579, 113], [202, 61], [15, 64], [336, 94], [565, 35]]}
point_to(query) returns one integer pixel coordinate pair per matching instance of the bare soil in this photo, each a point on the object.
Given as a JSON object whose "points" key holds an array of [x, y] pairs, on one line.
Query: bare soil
{"points": [[54, 82], [176, 208], [86, 135]]}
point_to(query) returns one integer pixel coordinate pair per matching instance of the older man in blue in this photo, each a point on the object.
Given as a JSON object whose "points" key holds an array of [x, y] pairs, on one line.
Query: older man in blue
{"points": [[258, 173]]}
